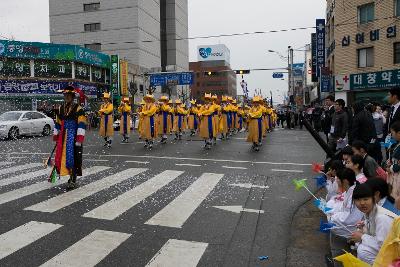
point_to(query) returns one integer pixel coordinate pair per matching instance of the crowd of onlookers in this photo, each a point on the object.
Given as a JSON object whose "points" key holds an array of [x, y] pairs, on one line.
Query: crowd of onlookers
{"points": [[363, 181]]}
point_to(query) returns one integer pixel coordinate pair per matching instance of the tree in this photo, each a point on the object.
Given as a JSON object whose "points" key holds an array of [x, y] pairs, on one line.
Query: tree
{"points": [[133, 89]]}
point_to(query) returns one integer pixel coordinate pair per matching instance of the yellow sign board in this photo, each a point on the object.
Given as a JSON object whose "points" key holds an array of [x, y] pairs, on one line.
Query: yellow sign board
{"points": [[124, 77]]}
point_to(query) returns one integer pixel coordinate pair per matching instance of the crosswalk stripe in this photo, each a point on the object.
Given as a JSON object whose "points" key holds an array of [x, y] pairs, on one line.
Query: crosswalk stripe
{"points": [[20, 168], [88, 251], [178, 253], [117, 206], [32, 189], [4, 163], [179, 210], [24, 235], [24, 177], [68, 198]]}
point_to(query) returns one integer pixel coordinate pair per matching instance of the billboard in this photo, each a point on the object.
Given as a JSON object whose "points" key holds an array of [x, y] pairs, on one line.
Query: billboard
{"points": [[213, 53], [115, 74], [309, 68], [320, 25], [124, 77]]}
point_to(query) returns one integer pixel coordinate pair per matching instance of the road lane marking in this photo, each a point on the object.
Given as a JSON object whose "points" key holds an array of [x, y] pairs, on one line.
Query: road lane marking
{"points": [[24, 235], [179, 210], [193, 159], [189, 165], [88, 251], [238, 209], [294, 171], [250, 186], [232, 167], [41, 186], [70, 197], [178, 253], [24, 177], [138, 162], [20, 168], [119, 205], [96, 160]]}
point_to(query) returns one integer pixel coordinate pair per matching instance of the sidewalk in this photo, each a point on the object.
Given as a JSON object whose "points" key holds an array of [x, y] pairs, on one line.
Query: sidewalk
{"points": [[308, 246]]}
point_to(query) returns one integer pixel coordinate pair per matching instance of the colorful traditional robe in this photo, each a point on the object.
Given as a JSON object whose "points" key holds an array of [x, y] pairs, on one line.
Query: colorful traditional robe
{"points": [[125, 121], [107, 120], [149, 123], [255, 124]]}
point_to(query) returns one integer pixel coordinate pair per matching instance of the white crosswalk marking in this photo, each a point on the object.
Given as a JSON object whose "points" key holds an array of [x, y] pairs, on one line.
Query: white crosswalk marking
{"points": [[24, 235], [20, 168], [31, 189], [122, 203], [178, 253], [89, 251], [179, 210], [24, 177], [68, 198]]}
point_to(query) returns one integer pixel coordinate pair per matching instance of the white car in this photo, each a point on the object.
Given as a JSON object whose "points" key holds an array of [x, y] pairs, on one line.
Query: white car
{"points": [[14, 124]]}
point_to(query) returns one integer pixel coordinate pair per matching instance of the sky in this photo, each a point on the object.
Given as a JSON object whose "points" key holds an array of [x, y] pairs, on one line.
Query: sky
{"points": [[28, 20]]}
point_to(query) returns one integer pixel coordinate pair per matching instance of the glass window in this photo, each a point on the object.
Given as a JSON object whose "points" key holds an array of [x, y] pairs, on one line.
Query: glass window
{"points": [[366, 57], [95, 46], [91, 7], [396, 53], [10, 116], [37, 115], [397, 7], [29, 116], [366, 13], [92, 27]]}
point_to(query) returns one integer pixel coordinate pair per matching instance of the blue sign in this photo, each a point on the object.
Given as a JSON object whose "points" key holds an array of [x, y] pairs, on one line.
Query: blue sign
{"points": [[29, 87], [277, 75], [205, 52], [320, 45], [178, 78], [325, 83]]}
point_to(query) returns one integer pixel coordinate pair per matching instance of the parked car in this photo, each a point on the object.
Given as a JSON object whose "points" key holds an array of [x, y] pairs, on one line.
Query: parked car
{"points": [[117, 123], [14, 124]]}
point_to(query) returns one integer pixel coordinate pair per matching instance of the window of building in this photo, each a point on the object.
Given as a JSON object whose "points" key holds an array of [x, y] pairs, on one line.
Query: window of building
{"points": [[397, 7], [366, 57], [396, 53], [366, 13], [95, 46], [91, 7], [92, 27]]}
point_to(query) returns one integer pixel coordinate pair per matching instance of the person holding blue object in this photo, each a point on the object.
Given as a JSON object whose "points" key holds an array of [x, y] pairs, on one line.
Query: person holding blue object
{"points": [[382, 196], [392, 164]]}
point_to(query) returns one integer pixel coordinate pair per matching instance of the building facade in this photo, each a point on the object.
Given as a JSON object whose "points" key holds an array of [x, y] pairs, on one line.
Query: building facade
{"points": [[363, 48], [214, 77]]}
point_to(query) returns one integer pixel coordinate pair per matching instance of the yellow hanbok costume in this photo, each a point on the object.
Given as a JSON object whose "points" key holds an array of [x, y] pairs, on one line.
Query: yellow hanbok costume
{"points": [[125, 122], [171, 115], [193, 123], [240, 118], [180, 122], [207, 130], [223, 123], [255, 122], [107, 119], [149, 115], [216, 116], [140, 123], [390, 250], [164, 119]]}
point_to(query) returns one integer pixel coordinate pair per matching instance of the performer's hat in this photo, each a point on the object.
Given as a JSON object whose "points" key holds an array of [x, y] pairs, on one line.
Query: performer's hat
{"points": [[193, 101], [215, 97], [163, 98], [178, 101], [207, 96], [106, 95], [149, 97], [125, 99], [224, 98]]}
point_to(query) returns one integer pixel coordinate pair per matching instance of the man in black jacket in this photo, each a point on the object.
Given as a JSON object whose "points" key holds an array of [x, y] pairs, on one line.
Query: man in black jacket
{"points": [[363, 127], [339, 126], [327, 115], [394, 101]]}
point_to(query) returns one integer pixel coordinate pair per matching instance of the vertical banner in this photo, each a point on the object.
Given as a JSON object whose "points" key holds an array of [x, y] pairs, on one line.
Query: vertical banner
{"points": [[124, 77], [114, 74], [320, 25], [314, 77], [326, 78]]}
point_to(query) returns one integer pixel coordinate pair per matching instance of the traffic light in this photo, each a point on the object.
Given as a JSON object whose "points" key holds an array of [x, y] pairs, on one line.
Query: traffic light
{"points": [[241, 72]]}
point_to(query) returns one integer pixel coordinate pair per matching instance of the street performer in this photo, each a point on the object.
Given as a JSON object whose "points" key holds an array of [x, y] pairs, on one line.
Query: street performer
{"points": [[69, 134], [107, 120], [149, 123], [164, 119], [256, 123], [125, 122]]}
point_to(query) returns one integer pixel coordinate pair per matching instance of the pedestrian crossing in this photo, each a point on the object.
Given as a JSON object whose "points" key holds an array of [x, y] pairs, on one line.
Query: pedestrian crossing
{"points": [[100, 243]]}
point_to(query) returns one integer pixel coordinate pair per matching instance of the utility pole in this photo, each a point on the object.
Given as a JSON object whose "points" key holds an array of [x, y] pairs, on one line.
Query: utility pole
{"points": [[291, 72]]}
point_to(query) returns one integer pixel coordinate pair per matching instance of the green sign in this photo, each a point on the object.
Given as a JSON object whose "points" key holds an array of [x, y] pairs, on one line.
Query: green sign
{"points": [[82, 72], [53, 69], [35, 50], [12, 67], [98, 75], [374, 80], [114, 74]]}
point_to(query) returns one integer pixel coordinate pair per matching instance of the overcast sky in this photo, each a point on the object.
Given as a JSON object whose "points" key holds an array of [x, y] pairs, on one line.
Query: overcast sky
{"points": [[28, 20]]}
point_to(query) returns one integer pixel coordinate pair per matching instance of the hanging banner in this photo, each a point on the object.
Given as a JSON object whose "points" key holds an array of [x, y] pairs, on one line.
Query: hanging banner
{"points": [[314, 77], [124, 77], [320, 25], [115, 74]]}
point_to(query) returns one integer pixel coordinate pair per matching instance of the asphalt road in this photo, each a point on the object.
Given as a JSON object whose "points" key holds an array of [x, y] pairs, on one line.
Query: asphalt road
{"points": [[176, 205]]}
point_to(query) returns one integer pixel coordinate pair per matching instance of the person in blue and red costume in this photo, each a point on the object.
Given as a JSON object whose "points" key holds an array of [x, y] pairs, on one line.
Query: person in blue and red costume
{"points": [[69, 134]]}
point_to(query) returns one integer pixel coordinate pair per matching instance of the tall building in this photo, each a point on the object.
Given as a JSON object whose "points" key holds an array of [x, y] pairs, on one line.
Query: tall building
{"points": [[363, 48], [150, 34], [212, 72]]}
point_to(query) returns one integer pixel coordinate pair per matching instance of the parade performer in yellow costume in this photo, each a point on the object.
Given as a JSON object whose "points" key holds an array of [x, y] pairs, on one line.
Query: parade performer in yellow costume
{"points": [[193, 123], [223, 124], [69, 134], [164, 119], [179, 119], [269, 118], [125, 122], [207, 130], [240, 118], [171, 115], [138, 111], [216, 117], [235, 119], [149, 123], [107, 120], [255, 123]]}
